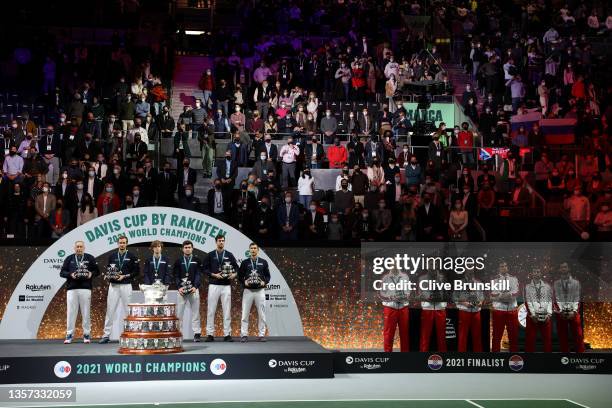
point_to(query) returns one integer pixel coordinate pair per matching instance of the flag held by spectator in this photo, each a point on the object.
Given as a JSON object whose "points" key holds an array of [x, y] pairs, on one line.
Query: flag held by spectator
{"points": [[558, 131]]}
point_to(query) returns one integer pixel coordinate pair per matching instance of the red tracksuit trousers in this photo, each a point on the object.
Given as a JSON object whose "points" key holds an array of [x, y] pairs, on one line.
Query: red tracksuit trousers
{"points": [[393, 319], [428, 318]]}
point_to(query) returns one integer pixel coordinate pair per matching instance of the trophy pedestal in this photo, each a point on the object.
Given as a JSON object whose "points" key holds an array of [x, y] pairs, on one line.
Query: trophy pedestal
{"points": [[151, 329]]}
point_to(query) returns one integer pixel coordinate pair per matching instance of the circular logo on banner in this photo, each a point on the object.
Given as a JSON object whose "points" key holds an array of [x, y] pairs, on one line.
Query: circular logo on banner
{"points": [[435, 362], [516, 363], [564, 360], [62, 369], [272, 363], [349, 360], [61, 253], [218, 366]]}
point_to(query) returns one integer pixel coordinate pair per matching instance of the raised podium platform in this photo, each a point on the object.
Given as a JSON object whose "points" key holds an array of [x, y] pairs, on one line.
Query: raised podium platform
{"points": [[50, 361]]}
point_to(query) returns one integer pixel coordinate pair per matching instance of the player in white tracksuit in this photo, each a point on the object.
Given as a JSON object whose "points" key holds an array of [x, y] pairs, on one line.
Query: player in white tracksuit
{"points": [[254, 275]]}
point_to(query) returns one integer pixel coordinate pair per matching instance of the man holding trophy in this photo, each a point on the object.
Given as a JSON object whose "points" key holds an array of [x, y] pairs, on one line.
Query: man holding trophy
{"points": [[221, 268], [395, 297], [505, 312], [157, 267], [567, 309], [539, 303], [187, 275], [122, 269], [254, 275], [469, 303], [79, 269]]}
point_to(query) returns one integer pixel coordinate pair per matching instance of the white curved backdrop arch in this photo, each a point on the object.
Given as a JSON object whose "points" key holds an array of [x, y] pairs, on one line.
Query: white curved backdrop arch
{"points": [[140, 225]]}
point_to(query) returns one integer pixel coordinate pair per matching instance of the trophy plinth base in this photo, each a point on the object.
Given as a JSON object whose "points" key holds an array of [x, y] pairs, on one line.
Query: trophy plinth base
{"points": [[149, 352]]}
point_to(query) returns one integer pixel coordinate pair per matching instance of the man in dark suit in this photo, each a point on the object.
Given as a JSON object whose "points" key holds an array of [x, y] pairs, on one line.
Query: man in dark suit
{"points": [[270, 148], [92, 184], [166, 186], [287, 215], [150, 178], [218, 201], [313, 222], [87, 149], [314, 154], [185, 176], [435, 152], [227, 171], [366, 123], [428, 219]]}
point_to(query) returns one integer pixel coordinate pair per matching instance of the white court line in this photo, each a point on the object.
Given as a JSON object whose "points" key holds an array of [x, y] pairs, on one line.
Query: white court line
{"points": [[110, 404], [575, 403]]}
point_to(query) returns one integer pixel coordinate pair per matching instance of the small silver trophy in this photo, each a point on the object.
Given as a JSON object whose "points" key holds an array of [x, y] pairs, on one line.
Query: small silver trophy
{"points": [[81, 271], [186, 284], [226, 270], [112, 272], [253, 280]]}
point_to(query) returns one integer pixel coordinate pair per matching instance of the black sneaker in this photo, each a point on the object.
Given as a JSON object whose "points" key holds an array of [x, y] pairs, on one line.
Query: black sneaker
{"points": [[244, 339], [228, 338], [209, 338], [104, 340], [197, 338]]}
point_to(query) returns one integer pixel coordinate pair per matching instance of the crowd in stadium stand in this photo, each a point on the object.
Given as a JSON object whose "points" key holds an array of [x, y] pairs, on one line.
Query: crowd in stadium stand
{"points": [[335, 103]]}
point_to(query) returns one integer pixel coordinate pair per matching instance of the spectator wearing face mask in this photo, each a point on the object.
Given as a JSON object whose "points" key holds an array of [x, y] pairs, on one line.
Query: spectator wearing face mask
{"points": [[288, 154], [16, 211], [92, 184], [344, 199], [360, 184], [45, 202], [118, 180], [86, 211], [363, 226], [578, 207], [337, 155], [238, 150], [189, 201], [335, 229], [414, 174], [138, 198], [127, 112], [13, 166], [186, 176], [328, 126], [218, 201], [64, 186], [313, 220], [108, 201], [264, 219], [262, 166], [306, 188], [383, 219], [227, 171], [59, 220], [287, 216], [603, 223]]}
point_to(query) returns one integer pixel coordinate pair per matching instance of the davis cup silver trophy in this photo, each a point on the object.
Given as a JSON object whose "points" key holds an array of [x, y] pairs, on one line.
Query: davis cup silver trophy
{"points": [[151, 327]]}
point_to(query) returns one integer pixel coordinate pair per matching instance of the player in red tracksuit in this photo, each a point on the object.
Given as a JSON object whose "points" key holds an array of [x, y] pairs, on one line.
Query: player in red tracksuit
{"points": [[469, 303], [505, 311], [395, 308], [433, 311], [539, 302], [566, 306]]}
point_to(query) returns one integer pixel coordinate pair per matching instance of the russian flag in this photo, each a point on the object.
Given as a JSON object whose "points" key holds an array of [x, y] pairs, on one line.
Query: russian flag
{"points": [[526, 120], [558, 131]]}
